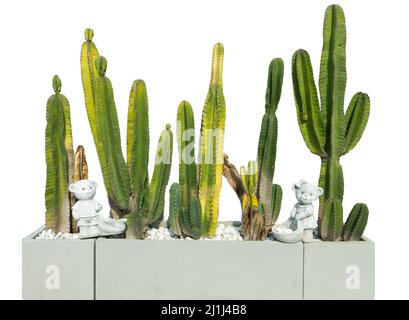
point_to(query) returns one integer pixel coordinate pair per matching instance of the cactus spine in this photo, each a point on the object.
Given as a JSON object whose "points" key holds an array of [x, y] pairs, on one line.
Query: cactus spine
{"points": [[59, 160], [211, 145], [260, 198], [327, 131]]}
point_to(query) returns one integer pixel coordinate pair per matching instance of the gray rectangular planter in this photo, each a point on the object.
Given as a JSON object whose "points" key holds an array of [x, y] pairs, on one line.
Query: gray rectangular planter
{"points": [[176, 269], [155, 269], [339, 270], [57, 269]]}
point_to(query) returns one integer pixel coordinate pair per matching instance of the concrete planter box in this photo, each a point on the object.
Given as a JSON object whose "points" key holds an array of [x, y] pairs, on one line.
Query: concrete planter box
{"points": [[155, 269], [339, 270], [173, 269], [57, 269]]}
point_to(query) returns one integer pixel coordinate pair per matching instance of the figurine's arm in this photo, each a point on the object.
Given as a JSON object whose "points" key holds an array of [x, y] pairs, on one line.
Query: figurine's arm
{"points": [[305, 213], [293, 212], [98, 206], [75, 211]]}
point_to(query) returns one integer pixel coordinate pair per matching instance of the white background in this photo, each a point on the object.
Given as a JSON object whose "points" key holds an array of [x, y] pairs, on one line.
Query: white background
{"points": [[168, 44]]}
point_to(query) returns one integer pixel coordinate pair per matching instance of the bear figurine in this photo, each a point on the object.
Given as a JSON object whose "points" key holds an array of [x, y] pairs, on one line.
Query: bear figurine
{"points": [[303, 211], [86, 211]]}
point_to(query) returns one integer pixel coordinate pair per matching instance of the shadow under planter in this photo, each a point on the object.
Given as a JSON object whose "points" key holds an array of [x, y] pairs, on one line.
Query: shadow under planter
{"points": [[204, 269], [339, 270], [57, 269]]}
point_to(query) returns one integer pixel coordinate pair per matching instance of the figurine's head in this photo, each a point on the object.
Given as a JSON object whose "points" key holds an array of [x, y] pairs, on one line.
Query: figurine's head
{"points": [[83, 189], [306, 192]]}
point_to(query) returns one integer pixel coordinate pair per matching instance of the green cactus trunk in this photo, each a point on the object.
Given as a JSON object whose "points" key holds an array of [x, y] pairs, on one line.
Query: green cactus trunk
{"points": [[108, 140], [59, 160], [160, 177], [186, 141], [211, 146], [186, 219], [260, 198], [327, 131], [138, 146], [89, 76], [267, 145], [175, 207]]}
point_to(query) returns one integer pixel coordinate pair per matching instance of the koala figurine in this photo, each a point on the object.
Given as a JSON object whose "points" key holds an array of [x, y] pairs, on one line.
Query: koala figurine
{"points": [[86, 211], [303, 211]]}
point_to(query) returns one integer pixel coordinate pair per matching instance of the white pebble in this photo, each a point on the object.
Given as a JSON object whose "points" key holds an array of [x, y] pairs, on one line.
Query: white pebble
{"points": [[49, 234]]}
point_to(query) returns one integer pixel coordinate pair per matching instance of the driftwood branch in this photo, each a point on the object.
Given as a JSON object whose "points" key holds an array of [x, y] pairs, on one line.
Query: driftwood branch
{"points": [[233, 177]]}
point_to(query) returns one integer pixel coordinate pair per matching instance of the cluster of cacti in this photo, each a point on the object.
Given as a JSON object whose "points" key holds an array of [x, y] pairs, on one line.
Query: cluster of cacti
{"points": [[260, 198], [126, 182], [327, 130], [63, 167], [194, 203]]}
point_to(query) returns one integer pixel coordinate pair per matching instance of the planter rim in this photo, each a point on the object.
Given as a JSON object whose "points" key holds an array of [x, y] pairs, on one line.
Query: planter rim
{"points": [[363, 240], [32, 236]]}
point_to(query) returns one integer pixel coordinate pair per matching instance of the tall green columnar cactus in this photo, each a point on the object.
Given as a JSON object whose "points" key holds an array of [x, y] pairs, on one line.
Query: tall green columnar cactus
{"points": [[185, 211], [108, 141], [59, 159], [137, 142], [89, 76], [147, 200], [269, 195], [211, 146], [327, 131], [260, 198], [160, 177]]}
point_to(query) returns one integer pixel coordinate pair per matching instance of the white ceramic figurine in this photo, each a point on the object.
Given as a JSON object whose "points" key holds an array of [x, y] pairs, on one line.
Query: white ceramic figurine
{"points": [[303, 211], [86, 211], [301, 223]]}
